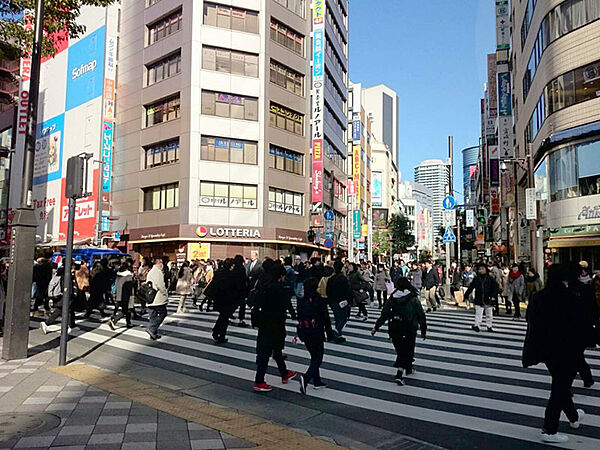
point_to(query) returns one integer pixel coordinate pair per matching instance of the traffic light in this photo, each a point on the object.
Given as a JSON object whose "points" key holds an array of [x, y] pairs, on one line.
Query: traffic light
{"points": [[310, 235], [482, 215]]}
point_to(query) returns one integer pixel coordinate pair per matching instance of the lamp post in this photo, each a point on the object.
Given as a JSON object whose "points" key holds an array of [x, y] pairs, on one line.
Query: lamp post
{"points": [[22, 245]]}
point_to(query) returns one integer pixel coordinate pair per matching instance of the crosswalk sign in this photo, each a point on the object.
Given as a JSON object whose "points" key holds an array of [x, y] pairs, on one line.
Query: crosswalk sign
{"points": [[449, 236]]}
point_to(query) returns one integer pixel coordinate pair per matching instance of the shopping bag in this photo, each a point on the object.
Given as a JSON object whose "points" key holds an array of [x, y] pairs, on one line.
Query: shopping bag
{"points": [[389, 287]]}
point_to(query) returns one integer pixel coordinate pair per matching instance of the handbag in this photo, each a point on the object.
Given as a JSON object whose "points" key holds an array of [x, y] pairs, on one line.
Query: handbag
{"points": [[147, 292], [389, 287]]}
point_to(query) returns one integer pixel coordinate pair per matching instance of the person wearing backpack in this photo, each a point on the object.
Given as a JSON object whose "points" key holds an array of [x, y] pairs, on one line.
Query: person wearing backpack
{"points": [[55, 293], [339, 296], [312, 320], [123, 292], [405, 316]]}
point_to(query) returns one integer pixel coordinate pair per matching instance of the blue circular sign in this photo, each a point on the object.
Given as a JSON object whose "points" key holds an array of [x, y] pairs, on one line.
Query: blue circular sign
{"points": [[328, 215], [449, 202], [328, 243], [117, 235]]}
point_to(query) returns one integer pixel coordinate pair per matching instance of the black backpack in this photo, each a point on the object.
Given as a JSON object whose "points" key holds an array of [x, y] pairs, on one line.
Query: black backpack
{"points": [[147, 293]]}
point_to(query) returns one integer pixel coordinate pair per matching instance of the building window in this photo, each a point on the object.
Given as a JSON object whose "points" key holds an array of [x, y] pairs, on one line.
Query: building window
{"points": [[230, 61], [163, 69], [162, 153], [228, 150], [236, 19], [165, 27], [286, 202], [296, 6], [163, 111], [161, 197], [151, 2], [228, 105], [286, 119], [286, 160], [287, 78], [223, 195], [287, 37]]}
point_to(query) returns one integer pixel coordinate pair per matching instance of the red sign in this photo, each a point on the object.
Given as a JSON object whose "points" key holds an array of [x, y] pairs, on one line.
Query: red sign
{"points": [[85, 213], [317, 171]]}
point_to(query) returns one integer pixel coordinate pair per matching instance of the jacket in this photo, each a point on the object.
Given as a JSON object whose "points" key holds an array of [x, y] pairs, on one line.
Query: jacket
{"points": [[338, 289], [416, 278], [430, 278], [533, 285], [405, 313], [273, 303], [380, 278], [312, 317], [455, 277], [157, 278], [82, 277], [123, 286], [185, 284], [222, 290], [55, 290], [485, 288], [467, 278], [516, 285]]}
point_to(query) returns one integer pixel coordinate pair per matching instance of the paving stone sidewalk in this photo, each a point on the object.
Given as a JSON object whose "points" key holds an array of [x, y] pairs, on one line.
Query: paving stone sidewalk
{"points": [[74, 415]]}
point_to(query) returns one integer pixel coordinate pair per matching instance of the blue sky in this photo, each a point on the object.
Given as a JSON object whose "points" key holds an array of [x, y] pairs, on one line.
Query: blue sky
{"points": [[433, 54]]}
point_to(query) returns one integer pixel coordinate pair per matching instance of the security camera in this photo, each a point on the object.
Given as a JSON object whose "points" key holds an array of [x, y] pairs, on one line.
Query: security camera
{"points": [[503, 167]]}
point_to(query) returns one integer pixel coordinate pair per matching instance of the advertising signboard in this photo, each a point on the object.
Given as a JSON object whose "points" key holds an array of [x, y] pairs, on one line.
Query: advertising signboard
{"points": [[85, 69], [356, 171], [317, 172], [49, 150], [504, 95], [356, 221], [318, 102], [376, 188]]}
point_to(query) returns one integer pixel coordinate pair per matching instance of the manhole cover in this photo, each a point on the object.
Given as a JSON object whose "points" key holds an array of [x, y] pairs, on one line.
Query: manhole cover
{"points": [[17, 425]]}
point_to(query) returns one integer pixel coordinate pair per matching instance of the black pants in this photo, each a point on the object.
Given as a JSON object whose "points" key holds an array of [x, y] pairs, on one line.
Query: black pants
{"points": [[584, 370], [242, 313], [560, 396], [328, 329], [121, 310], [316, 348], [220, 329], [517, 303], [405, 350], [263, 354], [56, 316], [41, 298], [381, 298], [94, 302], [362, 309]]}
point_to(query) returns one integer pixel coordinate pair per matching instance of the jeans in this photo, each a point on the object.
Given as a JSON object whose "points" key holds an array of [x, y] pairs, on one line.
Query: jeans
{"points": [[560, 396], [156, 317], [263, 354], [405, 350], [299, 290], [316, 349], [489, 312], [121, 310], [220, 329], [340, 315]]}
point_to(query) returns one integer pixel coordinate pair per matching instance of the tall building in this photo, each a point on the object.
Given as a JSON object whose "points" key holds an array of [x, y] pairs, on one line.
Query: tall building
{"points": [[329, 111], [382, 104], [219, 164], [384, 180], [416, 203], [556, 98], [470, 156], [435, 175]]}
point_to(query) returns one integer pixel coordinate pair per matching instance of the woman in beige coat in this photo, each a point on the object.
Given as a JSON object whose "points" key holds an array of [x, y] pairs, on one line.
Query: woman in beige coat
{"points": [[185, 285]]}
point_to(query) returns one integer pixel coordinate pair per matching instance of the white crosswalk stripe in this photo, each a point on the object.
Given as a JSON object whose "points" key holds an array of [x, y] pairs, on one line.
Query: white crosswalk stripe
{"points": [[466, 384]]}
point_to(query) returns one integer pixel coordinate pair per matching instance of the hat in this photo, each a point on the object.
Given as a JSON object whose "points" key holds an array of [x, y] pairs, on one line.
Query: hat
{"points": [[298, 257]]}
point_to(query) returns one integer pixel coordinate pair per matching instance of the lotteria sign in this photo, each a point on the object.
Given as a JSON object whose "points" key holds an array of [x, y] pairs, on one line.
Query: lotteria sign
{"points": [[226, 232]]}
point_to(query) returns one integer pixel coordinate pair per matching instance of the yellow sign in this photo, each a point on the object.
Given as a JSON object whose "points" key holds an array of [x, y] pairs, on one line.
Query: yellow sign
{"points": [[198, 251], [365, 230], [356, 170], [318, 11]]}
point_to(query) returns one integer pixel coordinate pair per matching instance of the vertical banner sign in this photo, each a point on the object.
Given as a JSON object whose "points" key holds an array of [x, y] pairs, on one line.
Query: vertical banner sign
{"points": [[470, 218], [107, 145], [502, 25], [108, 110], [318, 105], [494, 172], [356, 171], [530, 204], [505, 137], [504, 95], [356, 220], [376, 188]]}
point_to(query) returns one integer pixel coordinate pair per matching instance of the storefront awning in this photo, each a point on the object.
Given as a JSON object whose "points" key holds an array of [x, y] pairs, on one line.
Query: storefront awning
{"points": [[570, 134], [574, 241]]}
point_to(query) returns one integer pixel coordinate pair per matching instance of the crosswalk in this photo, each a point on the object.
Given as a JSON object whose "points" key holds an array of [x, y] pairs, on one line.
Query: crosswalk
{"points": [[469, 390]]}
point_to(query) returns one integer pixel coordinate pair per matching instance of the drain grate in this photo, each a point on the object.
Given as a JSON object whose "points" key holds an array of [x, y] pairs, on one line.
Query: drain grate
{"points": [[18, 425]]}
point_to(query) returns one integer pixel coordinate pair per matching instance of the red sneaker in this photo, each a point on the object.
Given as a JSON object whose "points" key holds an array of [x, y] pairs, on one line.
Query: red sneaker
{"points": [[262, 387], [289, 376]]}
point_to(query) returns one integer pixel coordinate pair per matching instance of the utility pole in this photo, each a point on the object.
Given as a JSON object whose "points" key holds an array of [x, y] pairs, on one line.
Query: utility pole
{"points": [[22, 245], [450, 192]]}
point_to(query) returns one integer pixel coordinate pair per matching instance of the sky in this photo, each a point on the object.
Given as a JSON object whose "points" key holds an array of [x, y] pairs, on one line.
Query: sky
{"points": [[433, 54]]}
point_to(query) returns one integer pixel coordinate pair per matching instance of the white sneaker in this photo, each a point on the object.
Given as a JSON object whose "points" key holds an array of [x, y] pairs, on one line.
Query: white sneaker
{"points": [[556, 438], [577, 423], [44, 327]]}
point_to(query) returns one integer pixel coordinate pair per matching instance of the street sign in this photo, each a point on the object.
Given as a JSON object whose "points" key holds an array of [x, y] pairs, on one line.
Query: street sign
{"points": [[328, 226], [117, 236], [530, 204], [449, 202], [449, 218], [449, 236], [470, 216], [328, 243], [328, 215]]}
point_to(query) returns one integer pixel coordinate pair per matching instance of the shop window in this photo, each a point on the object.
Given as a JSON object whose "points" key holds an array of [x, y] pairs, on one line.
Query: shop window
{"points": [[563, 174], [588, 166]]}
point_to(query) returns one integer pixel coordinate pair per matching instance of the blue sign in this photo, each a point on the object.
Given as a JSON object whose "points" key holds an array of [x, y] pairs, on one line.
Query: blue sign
{"points": [[117, 235], [328, 243], [356, 130], [49, 150], [104, 223], [318, 52], [107, 147], [85, 69], [449, 202], [504, 95], [328, 215], [449, 236]]}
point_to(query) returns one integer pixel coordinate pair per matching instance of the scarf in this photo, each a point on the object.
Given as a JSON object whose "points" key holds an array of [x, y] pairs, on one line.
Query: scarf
{"points": [[514, 275]]}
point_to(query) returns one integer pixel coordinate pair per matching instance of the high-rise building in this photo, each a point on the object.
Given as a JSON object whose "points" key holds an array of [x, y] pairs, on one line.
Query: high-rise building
{"points": [[470, 157], [219, 163], [384, 179], [416, 203], [382, 104], [556, 97], [435, 175]]}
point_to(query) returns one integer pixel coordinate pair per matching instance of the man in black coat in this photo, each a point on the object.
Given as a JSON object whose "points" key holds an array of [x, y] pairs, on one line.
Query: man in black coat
{"points": [[431, 281], [486, 289], [339, 296], [42, 274]]}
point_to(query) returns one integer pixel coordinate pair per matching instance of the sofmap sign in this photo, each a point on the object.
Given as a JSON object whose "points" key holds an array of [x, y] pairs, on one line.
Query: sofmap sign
{"points": [[107, 146], [85, 69]]}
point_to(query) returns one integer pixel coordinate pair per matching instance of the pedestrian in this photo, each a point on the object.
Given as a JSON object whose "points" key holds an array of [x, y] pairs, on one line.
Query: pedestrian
{"points": [[455, 281], [431, 281], [270, 308], [55, 293], [290, 274], [554, 338], [516, 289], [496, 275], [505, 290], [240, 287], [226, 297], [405, 316], [360, 292], [300, 269], [312, 320], [486, 289], [467, 278], [395, 271], [369, 278], [123, 293], [416, 278], [99, 285], [209, 273], [185, 285], [381, 278], [339, 296], [82, 282], [142, 274], [158, 307], [533, 283], [254, 271], [328, 272], [42, 274]]}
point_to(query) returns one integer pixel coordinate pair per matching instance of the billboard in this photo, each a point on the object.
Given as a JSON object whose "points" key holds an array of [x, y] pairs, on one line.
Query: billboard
{"points": [[376, 188], [49, 150], [318, 102], [356, 171], [85, 69], [317, 172], [504, 95]]}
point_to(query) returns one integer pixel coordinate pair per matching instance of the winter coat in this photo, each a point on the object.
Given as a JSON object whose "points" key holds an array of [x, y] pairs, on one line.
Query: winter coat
{"points": [[42, 274], [290, 277], [467, 277], [485, 288], [338, 289], [55, 290], [585, 302], [496, 275], [82, 277], [533, 285], [405, 313], [240, 282], [124, 286], [185, 284], [430, 278], [222, 291], [455, 276], [312, 317], [416, 278], [516, 286], [273, 303], [157, 277], [380, 278], [359, 287]]}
